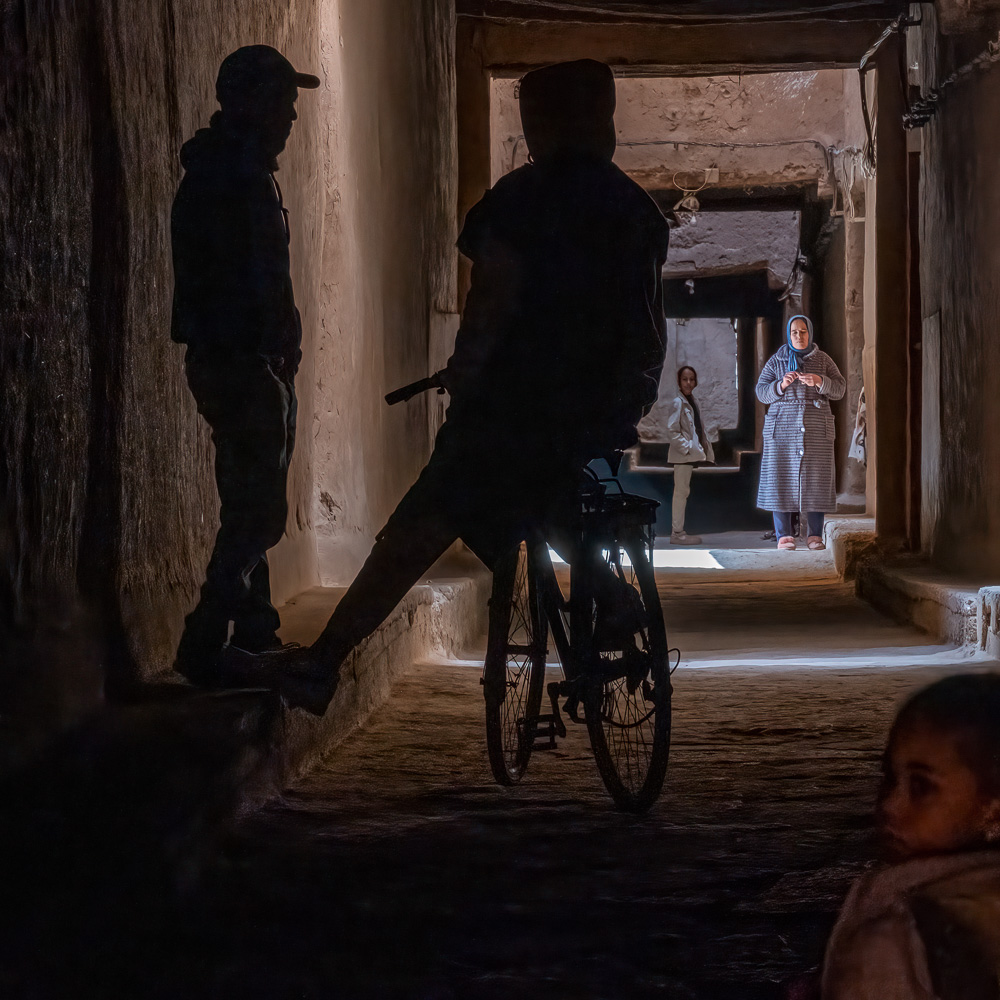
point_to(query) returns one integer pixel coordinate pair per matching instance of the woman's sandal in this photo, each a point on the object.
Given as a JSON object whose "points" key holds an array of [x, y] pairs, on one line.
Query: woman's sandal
{"points": [[815, 543], [786, 542]]}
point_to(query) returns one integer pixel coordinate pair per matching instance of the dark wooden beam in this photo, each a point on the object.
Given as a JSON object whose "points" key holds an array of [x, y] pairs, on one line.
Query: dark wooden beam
{"points": [[670, 50], [775, 198], [678, 11], [472, 85], [887, 399]]}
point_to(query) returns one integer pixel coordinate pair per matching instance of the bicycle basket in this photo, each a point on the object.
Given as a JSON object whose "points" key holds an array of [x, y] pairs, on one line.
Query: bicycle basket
{"points": [[621, 509]]}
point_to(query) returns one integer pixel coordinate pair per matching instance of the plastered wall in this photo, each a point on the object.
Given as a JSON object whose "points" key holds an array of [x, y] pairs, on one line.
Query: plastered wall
{"points": [[108, 497], [759, 129], [388, 274], [709, 346]]}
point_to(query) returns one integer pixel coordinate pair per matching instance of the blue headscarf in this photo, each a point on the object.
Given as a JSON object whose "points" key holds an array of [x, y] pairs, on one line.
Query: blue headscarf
{"points": [[795, 356]]}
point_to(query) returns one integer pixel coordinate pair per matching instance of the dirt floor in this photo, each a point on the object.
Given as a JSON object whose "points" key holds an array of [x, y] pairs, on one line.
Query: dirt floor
{"points": [[398, 869]]}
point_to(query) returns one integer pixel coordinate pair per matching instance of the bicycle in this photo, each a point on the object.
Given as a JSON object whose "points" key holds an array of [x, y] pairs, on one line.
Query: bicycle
{"points": [[609, 635]]}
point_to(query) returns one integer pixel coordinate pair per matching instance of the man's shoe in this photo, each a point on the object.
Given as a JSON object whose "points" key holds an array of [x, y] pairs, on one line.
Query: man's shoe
{"points": [[294, 671], [239, 668], [683, 538], [786, 542], [815, 543], [300, 676], [272, 644], [202, 671], [311, 693]]}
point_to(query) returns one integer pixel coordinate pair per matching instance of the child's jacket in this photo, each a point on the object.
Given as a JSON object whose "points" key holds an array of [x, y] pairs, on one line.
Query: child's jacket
{"points": [[928, 929]]}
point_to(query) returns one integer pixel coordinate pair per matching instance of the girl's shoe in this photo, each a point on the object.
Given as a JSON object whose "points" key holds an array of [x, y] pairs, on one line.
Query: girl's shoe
{"points": [[815, 543], [786, 542], [683, 538]]}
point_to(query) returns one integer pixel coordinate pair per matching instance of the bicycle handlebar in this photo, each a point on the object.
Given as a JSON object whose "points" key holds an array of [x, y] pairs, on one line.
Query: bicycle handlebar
{"points": [[406, 392]]}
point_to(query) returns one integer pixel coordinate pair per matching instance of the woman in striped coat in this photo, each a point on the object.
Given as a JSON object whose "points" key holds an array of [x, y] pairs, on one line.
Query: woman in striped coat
{"points": [[797, 470]]}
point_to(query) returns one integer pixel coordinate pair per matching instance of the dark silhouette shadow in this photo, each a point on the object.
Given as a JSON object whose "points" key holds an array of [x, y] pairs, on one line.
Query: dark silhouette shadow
{"points": [[557, 359], [234, 309]]}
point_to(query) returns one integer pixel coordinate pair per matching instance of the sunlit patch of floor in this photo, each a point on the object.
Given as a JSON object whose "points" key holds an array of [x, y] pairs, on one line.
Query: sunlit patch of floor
{"points": [[666, 559]]}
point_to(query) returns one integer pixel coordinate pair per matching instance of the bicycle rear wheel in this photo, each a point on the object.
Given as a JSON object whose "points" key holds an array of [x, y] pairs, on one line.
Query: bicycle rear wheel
{"points": [[514, 671], [626, 685]]}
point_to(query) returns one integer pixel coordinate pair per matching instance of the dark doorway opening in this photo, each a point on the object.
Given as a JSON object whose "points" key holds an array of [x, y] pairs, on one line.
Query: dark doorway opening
{"points": [[724, 496]]}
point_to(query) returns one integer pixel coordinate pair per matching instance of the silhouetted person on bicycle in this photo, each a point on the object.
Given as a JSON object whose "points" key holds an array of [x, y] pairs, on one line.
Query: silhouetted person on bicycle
{"points": [[234, 309], [557, 359]]}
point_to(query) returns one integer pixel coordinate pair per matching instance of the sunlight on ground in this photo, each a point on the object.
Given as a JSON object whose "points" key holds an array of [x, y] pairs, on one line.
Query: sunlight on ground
{"points": [[668, 558]]}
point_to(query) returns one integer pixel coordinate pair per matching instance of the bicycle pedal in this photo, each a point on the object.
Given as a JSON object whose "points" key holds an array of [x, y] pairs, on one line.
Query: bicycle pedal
{"points": [[557, 723], [545, 733]]}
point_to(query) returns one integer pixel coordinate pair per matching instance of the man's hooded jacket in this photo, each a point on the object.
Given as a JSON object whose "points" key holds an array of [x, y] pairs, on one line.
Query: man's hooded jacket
{"points": [[232, 287]]}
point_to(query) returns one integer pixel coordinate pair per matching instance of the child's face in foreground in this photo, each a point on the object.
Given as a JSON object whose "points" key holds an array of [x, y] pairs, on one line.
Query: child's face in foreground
{"points": [[930, 801]]}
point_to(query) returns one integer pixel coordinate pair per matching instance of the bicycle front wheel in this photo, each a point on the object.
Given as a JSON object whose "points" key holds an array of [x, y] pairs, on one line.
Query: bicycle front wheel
{"points": [[514, 672], [626, 689]]}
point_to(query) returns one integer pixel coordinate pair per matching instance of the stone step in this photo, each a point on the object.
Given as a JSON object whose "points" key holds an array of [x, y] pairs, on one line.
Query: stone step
{"points": [[951, 608]]}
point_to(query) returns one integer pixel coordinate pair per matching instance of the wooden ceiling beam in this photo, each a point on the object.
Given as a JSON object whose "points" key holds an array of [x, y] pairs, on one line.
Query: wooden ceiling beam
{"points": [[661, 50], [679, 11]]}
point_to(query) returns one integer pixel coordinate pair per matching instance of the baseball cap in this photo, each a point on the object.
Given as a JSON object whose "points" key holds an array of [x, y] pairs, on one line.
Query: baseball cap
{"points": [[255, 72]]}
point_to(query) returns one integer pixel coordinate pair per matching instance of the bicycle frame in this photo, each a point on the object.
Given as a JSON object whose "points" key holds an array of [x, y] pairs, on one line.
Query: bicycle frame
{"points": [[603, 517]]}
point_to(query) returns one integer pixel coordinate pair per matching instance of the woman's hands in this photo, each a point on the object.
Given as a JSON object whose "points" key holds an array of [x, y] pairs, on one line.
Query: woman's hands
{"points": [[807, 378]]}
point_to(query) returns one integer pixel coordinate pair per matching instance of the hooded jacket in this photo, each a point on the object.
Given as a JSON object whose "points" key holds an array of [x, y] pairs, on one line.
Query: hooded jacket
{"points": [[232, 286], [562, 337]]}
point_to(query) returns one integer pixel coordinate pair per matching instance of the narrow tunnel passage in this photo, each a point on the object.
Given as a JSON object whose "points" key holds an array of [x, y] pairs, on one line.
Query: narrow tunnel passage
{"points": [[396, 868]]}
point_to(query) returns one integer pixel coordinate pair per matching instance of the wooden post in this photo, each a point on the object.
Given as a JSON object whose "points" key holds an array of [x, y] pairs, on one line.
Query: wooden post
{"points": [[914, 357], [762, 341], [891, 361], [472, 85]]}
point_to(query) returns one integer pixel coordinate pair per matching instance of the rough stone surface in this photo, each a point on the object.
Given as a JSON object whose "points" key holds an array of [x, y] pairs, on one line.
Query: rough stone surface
{"points": [[396, 868], [106, 468], [441, 616], [944, 605], [676, 124], [988, 621], [713, 243], [850, 539]]}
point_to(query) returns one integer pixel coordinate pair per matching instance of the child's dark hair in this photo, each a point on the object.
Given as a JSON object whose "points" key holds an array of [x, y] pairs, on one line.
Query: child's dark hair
{"points": [[683, 369], [968, 707]]}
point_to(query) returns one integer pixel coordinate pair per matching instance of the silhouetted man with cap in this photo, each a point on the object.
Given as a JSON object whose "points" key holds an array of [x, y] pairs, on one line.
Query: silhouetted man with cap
{"points": [[557, 359], [234, 309]]}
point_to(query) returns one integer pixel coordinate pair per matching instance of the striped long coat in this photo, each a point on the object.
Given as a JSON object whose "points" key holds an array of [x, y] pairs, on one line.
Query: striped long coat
{"points": [[797, 470]]}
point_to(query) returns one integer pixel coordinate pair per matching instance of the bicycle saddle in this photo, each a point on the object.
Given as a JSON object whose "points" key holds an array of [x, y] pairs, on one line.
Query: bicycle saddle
{"points": [[614, 460]]}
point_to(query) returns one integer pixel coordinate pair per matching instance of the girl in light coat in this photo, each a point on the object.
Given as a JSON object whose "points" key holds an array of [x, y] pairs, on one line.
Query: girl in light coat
{"points": [[689, 446]]}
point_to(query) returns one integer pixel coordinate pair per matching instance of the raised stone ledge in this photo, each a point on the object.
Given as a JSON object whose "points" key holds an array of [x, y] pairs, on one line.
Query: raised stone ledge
{"points": [[947, 607], [850, 538], [988, 621], [444, 614], [126, 803]]}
